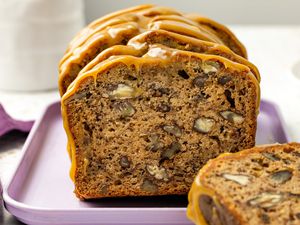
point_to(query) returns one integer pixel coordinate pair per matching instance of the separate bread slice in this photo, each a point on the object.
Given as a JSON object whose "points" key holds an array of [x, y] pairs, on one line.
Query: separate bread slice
{"points": [[141, 126], [254, 186], [118, 31], [119, 27], [138, 45]]}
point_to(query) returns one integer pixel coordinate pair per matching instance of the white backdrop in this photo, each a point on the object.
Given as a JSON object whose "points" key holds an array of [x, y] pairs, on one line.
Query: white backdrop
{"points": [[224, 11]]}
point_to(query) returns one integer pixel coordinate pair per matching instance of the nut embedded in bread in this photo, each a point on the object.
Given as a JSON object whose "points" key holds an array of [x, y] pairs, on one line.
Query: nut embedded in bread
{"points": [[254, 186]]}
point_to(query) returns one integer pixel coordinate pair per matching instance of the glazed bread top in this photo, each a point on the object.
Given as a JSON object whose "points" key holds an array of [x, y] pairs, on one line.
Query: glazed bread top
{"points": [[118, 27], [145, 17], [139, 44]]}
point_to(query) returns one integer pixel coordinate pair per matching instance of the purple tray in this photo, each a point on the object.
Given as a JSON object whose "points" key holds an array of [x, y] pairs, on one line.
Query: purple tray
{"points": [[40, 191]]}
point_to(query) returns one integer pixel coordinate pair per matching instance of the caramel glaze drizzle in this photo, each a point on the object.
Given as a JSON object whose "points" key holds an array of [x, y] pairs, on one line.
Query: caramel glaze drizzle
{"points": [[142, 16], [138, 45], [135, 20], [156, 54], [86, 32], [138, 13]]}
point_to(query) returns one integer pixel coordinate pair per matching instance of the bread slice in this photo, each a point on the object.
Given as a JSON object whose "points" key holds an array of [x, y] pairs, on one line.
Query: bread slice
{"points": [[119, 27], [254, 186], [138, 45], [156, 11], [182, 42], [145, 125], [119, 31]]}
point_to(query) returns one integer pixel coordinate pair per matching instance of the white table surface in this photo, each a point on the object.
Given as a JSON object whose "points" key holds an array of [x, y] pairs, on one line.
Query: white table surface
{"points": [[275, 50]]}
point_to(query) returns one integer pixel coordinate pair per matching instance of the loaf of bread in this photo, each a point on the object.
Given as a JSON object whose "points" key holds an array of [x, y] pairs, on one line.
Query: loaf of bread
{"points": [[143, 113], [254, 186]]}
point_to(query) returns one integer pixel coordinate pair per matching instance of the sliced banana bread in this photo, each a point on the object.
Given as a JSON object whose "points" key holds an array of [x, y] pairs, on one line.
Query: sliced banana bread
{"points": [[146, 125], [254, 186]]}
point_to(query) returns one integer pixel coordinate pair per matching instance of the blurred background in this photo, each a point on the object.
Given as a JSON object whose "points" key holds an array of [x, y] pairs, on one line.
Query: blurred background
{"points": [[225, 11]]}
